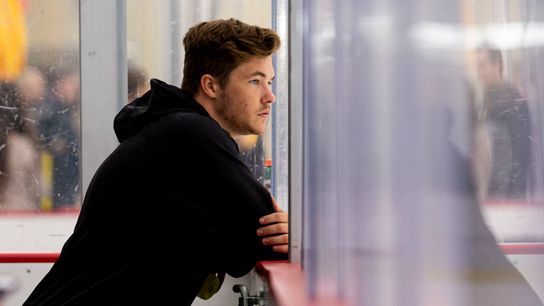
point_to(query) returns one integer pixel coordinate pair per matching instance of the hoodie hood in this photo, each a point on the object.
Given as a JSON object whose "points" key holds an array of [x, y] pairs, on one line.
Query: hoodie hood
{"points": [[161, 100]]}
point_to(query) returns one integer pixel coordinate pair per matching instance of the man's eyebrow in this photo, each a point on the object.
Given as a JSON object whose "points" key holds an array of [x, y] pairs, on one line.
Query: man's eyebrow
{"points": [[260, 73]]}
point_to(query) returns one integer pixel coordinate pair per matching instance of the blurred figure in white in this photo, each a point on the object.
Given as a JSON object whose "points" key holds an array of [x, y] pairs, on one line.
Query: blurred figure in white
{"points": [[32, 89], [18, 158], [138, 82]]}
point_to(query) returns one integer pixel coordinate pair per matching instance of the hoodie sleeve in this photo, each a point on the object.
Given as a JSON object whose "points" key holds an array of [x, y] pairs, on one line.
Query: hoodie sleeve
{"points": [[233, 198]]}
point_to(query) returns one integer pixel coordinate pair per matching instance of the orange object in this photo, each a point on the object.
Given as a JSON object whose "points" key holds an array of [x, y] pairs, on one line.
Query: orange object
{"points": [[12, 39]]}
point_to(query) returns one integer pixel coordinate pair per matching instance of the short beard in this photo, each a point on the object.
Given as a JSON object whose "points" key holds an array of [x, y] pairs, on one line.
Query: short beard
{"points": [[229, 114]]}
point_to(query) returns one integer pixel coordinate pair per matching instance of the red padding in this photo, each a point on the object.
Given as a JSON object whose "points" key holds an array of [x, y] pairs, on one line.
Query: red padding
{"points": [[522, 248], [28, 257], [288, 286]]}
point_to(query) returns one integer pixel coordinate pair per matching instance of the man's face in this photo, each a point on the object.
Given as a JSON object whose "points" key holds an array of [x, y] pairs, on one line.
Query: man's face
{"points": [[243, 105]]}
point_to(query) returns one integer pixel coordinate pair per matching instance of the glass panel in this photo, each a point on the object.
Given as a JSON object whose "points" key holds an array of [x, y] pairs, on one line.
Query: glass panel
{"points": [[40, 99], [399, 145]]}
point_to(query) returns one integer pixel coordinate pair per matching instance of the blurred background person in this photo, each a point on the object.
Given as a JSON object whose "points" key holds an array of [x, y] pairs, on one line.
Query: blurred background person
{"points": [[59, 134], [138, 82], [18, 159], [502, 134]]}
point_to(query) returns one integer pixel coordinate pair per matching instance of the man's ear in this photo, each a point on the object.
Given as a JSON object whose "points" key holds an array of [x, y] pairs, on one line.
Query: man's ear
{"points": [[209, 85]]}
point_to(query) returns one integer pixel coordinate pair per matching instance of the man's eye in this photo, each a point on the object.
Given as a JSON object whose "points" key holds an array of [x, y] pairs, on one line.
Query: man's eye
{"points": [[254, 82]]}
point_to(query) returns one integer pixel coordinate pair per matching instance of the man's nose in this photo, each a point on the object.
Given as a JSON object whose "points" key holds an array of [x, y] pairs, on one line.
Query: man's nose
{"points": [[269, 96]]}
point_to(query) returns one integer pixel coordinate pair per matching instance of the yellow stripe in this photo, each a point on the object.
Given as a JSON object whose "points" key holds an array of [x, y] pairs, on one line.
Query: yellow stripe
{"points": [[46, 200]]}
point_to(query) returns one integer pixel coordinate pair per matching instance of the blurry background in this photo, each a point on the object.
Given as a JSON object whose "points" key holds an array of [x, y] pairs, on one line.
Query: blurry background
{"points": [[403, 131]]}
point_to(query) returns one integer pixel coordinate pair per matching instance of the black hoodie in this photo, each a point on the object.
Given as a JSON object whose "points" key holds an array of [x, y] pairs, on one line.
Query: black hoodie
{"points": [[172, 203]]}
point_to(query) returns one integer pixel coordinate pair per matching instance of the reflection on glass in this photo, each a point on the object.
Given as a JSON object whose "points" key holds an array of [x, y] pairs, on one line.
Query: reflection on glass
{"points": [[506, 88], [393, 137], [39, 106], [502, 131]]}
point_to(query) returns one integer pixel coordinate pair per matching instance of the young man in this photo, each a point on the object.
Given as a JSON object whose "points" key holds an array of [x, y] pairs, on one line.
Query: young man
{"points": [[174, 203]]}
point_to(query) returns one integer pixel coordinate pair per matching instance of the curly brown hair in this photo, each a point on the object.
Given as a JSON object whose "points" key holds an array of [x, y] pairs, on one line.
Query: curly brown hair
{"points": [[219, 46]]}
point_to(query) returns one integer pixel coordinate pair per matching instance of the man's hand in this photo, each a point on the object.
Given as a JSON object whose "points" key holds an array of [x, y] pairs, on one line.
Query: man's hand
{"points": [[275, 231]]}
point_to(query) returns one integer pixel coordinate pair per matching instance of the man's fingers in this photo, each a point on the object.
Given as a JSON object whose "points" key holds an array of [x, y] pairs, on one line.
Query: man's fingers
{"points": [[283, 248], [276, 240], [274, 229], [280, 216]]}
